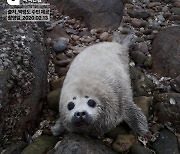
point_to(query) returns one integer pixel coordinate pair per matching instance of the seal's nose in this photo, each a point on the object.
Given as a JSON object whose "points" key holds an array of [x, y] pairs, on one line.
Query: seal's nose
{"points": [[80, 114]]}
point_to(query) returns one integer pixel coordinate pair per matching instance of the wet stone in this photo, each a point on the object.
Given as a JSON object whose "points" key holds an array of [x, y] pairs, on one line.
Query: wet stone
{"points": [[175, 84], [176, 10], [15, 148], [167, 107], [40, 145], [139, 149], [123, 142], [104, 36], [53, 99], [60, 45], [144, 104], [55, 84], [139, 14], [138, 57], [166, 143]]}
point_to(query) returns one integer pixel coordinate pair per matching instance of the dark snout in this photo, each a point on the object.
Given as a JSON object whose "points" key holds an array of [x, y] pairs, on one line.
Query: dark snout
{"points": [[82, 119]]}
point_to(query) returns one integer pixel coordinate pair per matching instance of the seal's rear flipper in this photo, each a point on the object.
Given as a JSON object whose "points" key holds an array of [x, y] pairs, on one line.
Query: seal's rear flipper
{"points": [[136, 120], [125, 40]]}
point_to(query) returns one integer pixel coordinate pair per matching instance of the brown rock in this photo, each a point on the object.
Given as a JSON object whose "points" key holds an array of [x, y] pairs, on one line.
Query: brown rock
{"points": [[177, 4], [153, 4], [123, 143], [144, 103], [75, 37], [174, 18], [137, 23], [57, 32], [97, 14], [55, 84], [61, 71], [104, 36], [167, 107], [53, 99], [166, 52], [61, 63]]}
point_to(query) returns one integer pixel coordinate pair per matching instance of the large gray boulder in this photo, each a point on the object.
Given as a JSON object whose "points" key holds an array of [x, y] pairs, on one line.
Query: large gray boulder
{"points": [[23, 78], [96, 13], [75, 143], [166, 52]]}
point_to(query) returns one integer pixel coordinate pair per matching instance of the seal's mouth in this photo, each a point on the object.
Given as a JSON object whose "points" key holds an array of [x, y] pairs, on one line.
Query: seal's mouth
{"points": [[81, 124]]}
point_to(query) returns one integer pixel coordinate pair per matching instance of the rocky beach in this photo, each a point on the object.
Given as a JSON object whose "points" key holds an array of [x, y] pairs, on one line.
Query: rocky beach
{"points": [[35, 57]]}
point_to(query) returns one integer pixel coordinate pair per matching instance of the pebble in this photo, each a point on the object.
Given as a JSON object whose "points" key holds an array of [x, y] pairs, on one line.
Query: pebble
{"points": [[139, 14], [93, 31], [147, 31], [137, 23], [176, 10], [71, 31], [71, 21], [174, 18], [49, 41], [123, 142], [148, 62], [153, 4], [61, 63], [75, 37], [55, 84], [61, 71], [144, 103], [60, 45], [143, 47], [161, 18], [104, 36], [165, 8]]}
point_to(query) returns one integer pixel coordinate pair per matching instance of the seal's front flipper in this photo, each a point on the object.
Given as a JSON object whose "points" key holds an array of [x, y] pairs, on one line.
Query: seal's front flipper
{"points": [[57, 129], [136, 120]]}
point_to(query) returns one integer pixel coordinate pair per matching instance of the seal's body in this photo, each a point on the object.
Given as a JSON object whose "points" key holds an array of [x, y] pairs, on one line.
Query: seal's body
{"points": [[96, 95]]}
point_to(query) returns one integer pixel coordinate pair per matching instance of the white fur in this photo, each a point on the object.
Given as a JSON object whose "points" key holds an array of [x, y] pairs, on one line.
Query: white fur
{"points": [[101, 72]]}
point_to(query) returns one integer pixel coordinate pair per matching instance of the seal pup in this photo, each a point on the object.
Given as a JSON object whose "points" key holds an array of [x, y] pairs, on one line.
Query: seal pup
{"points": [[96, 94]]}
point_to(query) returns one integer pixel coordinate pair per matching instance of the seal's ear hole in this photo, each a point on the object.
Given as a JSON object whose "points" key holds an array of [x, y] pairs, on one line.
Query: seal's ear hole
{"points": [[70, 105], [91, 103]]}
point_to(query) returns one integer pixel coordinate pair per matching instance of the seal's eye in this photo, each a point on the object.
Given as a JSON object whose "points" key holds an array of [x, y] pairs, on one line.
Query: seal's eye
{"points": [[91, 103], [70, 106]]}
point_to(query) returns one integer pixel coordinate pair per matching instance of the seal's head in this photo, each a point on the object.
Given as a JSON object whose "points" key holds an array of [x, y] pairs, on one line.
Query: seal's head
{"points": [[81, 113]]}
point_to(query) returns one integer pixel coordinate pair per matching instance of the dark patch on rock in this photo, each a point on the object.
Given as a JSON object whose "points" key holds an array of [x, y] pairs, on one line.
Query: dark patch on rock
{"points": [[166, 52]]}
